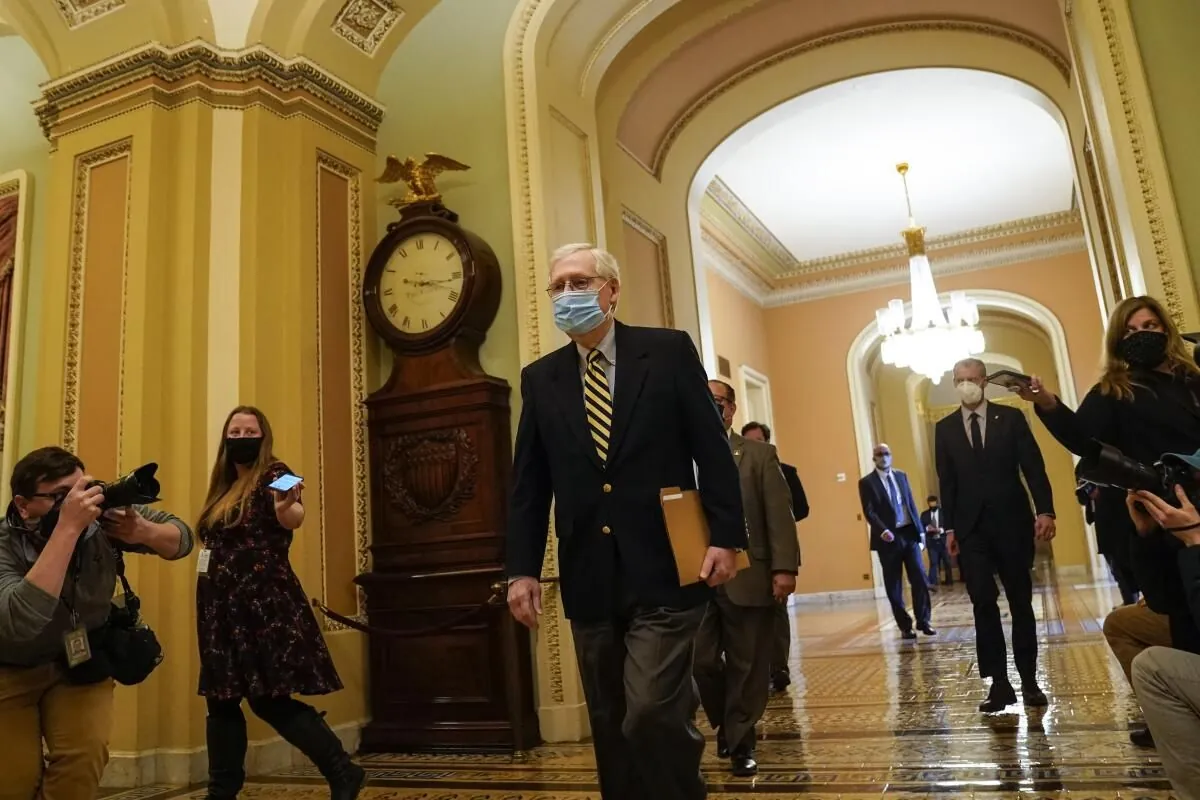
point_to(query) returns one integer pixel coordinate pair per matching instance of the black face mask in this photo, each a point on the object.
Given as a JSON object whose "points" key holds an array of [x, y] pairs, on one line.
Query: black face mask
{"points": [[933, 507], [1143, 349], [244, 450]]}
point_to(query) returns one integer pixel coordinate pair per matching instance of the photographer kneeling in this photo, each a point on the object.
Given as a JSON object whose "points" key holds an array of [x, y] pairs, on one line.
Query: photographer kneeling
{"points": [[59, 557], [1167, 680]]}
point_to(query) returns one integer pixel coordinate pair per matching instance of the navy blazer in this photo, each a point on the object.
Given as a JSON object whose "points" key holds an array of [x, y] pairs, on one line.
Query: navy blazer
{"points": [[877, 506], [607, 515]]}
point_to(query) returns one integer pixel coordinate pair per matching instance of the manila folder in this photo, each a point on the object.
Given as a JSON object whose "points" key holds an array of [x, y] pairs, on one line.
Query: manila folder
{"points": [[687, 528]]}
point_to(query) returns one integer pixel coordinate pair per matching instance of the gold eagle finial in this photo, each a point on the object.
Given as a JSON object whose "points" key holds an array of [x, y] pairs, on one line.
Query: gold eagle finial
{"points": [[419, 176]]}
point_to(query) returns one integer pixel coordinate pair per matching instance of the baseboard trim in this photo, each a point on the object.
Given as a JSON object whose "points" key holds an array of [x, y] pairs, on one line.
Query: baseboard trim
{"points": [[830, 598], [128, 770], [564, 723], [1073, 570]]}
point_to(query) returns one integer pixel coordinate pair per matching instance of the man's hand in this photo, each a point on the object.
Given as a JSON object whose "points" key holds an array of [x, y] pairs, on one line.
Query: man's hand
{"points": [[525, 601], [888, 536], [125, 525], [1142, 521], [1044, 528], [951, 543], [719, 566], [81, 507], [782, 586], [1169, 517]]}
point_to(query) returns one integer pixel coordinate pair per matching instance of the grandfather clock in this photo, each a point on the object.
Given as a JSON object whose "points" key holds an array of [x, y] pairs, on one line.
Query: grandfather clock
{"points": [[440, 444]]}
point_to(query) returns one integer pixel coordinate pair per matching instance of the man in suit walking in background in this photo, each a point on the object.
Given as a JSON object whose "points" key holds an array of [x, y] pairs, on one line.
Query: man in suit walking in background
{"points": [[982, 451], [935, 542], [733, 650], [781, 676], [606, 423], [891, 513]]}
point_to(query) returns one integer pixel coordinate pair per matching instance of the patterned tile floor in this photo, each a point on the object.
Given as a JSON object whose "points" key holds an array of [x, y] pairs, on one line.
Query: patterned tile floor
{"points": [[868, 716]]}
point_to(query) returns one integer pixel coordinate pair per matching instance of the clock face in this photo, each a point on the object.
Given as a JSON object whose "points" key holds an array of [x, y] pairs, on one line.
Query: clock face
{"points": [[422, 283]]}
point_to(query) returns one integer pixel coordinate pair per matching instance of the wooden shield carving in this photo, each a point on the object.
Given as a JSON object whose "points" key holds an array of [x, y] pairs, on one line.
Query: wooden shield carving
{"points": [[430, 475]]}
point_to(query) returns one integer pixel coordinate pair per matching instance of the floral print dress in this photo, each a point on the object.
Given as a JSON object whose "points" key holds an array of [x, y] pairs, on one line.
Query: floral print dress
{"points": [[258, 635]]}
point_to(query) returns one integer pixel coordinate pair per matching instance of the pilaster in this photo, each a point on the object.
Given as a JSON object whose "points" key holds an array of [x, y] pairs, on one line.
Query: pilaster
{"points": [[1133, 181], [208, 218]]}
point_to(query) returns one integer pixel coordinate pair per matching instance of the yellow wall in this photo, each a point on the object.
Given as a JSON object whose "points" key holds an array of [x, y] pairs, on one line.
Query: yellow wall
{"points": [[22, 146], [456, 107], [1168, 38], [739, 335]]}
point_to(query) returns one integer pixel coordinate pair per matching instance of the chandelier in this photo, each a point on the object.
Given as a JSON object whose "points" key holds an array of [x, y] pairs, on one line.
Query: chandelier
{"points": [[931, 340]]}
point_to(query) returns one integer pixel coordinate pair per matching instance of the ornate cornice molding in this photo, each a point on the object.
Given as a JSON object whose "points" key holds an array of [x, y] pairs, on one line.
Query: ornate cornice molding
{"points": [[77, 13], [986, 258], [720, 193], [735, 268], [173, 76], [364, 24], [1039, 46], [986, 233]]}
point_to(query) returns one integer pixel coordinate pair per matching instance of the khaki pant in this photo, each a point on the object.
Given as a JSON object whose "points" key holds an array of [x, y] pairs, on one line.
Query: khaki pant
{"points": [[1167, 684], [36, 704], [1131, 629]]}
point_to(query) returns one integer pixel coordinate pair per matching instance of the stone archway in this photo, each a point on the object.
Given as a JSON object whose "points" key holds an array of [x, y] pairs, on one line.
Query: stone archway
{"points": [[1038, 315]]}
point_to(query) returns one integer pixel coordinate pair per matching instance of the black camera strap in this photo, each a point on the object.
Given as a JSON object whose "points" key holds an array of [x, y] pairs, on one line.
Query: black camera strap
{"points": [[1183, 528], [131, 599]]}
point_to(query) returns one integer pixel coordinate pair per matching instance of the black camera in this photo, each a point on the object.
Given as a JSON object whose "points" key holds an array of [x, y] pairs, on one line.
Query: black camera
{"points": [[1108, 466], [139, 487]]}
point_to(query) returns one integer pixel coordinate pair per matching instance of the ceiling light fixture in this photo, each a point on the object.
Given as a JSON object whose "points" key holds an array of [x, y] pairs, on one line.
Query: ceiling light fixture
{"points": [[931, 340]]}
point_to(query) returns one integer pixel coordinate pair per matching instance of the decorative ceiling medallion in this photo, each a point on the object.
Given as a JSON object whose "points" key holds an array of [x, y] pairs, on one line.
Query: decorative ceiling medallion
{"points": [[81, 12], [366, 23]]}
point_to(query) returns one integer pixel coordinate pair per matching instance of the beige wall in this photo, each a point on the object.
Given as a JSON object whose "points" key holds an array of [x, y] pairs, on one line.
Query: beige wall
{"points": [[806, 347], [739, 334]]}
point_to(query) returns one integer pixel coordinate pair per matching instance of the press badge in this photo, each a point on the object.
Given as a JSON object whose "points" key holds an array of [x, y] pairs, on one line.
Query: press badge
{"points": [[202, 561], [77, 647]]}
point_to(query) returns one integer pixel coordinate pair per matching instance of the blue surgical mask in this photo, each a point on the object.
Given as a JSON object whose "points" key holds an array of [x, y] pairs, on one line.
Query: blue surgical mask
{"points": [[577, 313]]}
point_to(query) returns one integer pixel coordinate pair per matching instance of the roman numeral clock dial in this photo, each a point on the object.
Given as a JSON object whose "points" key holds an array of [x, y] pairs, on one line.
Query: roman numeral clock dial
{"points": [[422, 283]]}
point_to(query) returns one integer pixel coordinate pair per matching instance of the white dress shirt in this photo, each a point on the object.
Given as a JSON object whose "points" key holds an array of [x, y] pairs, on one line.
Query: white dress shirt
{"points": [[889, 485]]}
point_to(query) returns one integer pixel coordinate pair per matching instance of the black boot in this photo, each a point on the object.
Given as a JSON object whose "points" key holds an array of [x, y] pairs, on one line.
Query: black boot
{"points": [[308, 732], [226, 736]]}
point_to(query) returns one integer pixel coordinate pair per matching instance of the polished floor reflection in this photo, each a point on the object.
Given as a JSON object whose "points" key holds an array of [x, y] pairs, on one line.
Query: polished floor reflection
{"points": [[868, 716]]}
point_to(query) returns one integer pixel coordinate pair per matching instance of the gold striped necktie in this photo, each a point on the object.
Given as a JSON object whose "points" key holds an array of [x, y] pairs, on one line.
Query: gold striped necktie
{"points": [[597, 399]]}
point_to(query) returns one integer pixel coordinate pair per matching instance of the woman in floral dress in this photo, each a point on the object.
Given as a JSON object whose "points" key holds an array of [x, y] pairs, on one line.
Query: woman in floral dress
{"points": [[259, 640]]}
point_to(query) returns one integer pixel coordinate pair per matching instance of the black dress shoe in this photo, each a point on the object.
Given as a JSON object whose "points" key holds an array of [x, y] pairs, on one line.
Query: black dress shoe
{"points": [[722, 745], [1033, 696], [743, 766], [928, 630], [908, 634], [1142, 737], [999, 698], [781, 680]]}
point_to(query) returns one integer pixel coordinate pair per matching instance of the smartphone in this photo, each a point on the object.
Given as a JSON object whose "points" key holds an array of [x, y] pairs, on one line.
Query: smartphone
{"points": [[285, 483], [1013, 381]]}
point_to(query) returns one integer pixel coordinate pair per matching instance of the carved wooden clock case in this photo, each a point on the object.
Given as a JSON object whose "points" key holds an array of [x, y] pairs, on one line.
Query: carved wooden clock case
{"points": [[440, 449]]}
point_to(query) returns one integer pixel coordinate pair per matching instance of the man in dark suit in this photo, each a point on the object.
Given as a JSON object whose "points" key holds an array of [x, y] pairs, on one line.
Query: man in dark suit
{"points": [[781, 676], [891, 512], [733, 651], [606, 423], [982, 452], [935, 542]]}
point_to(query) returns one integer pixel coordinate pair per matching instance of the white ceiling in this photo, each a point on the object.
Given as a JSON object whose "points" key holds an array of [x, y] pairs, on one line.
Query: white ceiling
{"points": [[819, 170]]}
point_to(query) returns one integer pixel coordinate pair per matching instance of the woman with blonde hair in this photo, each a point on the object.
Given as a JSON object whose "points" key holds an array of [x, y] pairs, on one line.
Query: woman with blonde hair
{"points": [[1147, 403], [259, 640]]}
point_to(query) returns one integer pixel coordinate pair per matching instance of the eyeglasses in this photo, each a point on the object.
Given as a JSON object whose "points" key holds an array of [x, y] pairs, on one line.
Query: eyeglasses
{"points": [[56, 497], [573, 285], [721, 401]]}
